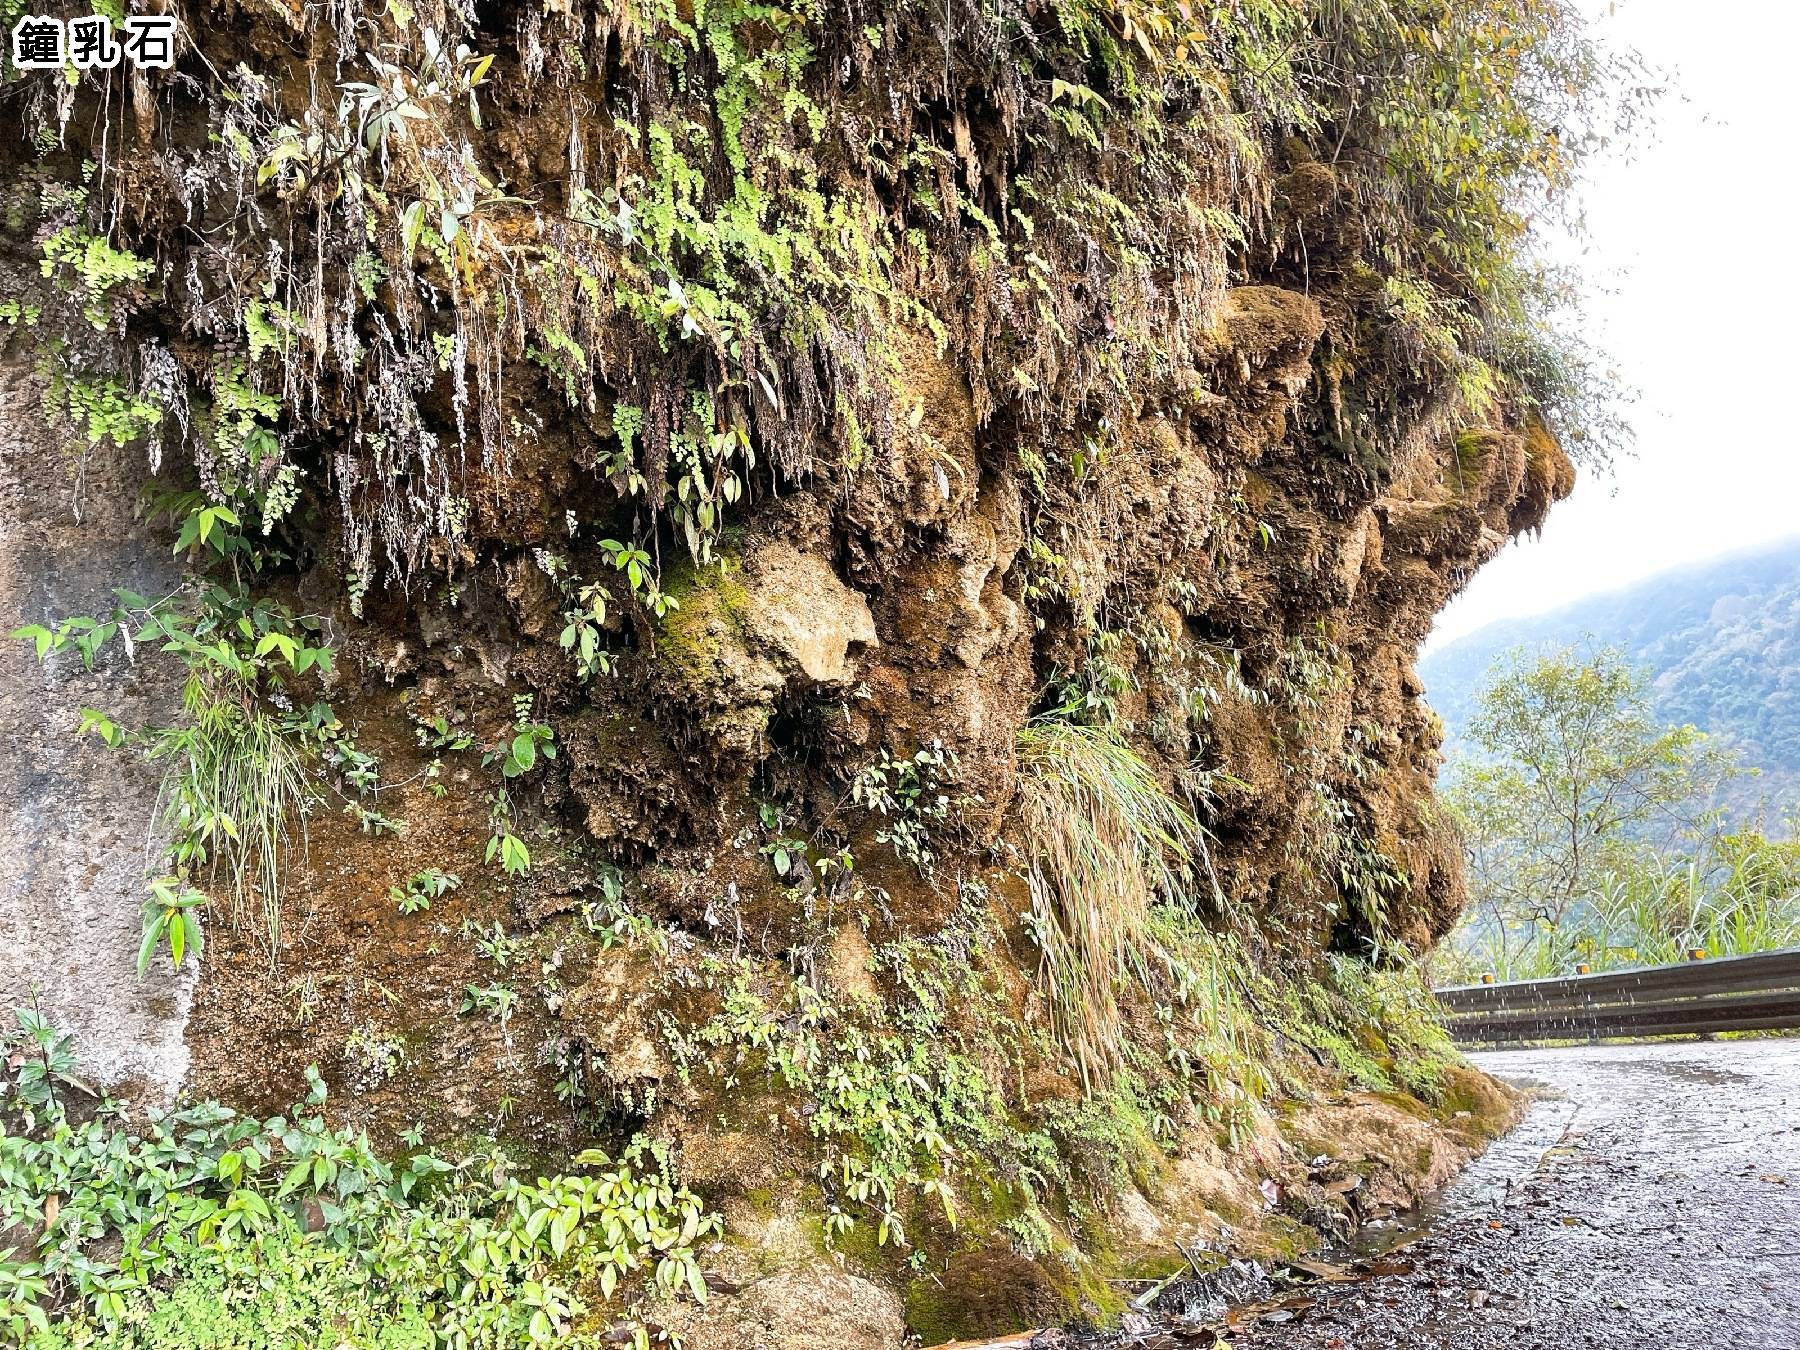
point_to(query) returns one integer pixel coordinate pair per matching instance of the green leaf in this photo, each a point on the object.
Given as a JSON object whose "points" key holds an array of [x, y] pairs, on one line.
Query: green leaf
{"points": [[147, 949], [295, 1178], [38, 634], [412, 223], [561, 1227], [190, 531], [211, 516]]}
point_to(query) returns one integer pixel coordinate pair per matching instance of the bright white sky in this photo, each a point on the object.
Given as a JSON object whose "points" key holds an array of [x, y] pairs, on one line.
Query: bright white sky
{"points": [[1690, 240]]}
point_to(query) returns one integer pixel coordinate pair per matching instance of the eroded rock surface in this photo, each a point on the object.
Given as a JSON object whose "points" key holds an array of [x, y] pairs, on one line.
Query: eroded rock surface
{"points": [[818, 1307]]}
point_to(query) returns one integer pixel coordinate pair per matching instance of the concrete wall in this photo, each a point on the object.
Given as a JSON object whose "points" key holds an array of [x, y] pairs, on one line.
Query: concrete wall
{"points": [[76, 818]]}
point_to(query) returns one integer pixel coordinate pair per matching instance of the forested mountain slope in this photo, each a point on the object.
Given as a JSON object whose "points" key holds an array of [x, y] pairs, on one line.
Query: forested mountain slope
{"points": [[1721, 640]]}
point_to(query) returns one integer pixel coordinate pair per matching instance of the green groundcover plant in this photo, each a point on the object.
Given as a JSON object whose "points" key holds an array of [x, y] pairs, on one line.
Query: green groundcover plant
{"points": [[201, 1226]]}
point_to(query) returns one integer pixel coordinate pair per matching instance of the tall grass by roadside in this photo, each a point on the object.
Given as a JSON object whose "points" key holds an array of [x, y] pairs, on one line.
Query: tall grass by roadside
{"points": [[1735, 894]]}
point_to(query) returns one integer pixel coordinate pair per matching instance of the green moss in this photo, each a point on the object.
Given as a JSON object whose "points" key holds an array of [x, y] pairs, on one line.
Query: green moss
{"points": [[1231, 1212], [861, 1244], [1108, 1141], [704, 634], [1474, 1105], [992, 1290], [1402, 1101], [1154, 1266], [936, 1313], [1089, 1296], [1281, 1237], [1351, 1062], [987, 1202]]}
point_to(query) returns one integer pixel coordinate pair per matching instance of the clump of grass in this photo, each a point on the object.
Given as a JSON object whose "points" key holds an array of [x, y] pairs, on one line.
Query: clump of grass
{"points": [[235, 779], [1380, 1026], [1107, 842], [1207, 1005]]}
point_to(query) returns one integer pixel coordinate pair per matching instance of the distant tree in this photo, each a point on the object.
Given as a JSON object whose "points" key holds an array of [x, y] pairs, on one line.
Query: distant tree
{"points": [[1570, 780]]}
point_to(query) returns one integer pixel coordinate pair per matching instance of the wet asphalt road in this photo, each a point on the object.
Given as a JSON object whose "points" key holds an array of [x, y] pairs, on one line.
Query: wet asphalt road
{"points": [[1652, 1199]]}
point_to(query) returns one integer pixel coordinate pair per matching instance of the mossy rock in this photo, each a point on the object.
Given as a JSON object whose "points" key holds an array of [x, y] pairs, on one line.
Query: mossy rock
{"points": [[991, 1290], [703, 641], [746, 627], [1284, 1238], [1404, 1101], [1490, 1108], [1156, 1266]]}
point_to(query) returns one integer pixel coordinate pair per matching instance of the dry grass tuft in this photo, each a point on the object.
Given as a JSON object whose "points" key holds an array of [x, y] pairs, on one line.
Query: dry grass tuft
{"points": [[1107, 843]]}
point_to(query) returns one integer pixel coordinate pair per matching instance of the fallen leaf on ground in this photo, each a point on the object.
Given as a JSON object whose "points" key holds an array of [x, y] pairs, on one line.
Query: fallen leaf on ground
{"points": [[1319, 1270]]}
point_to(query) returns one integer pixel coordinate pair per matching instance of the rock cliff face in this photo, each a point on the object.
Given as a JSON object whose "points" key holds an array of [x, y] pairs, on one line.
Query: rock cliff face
{"points": [[835, 588], [81, 820]]}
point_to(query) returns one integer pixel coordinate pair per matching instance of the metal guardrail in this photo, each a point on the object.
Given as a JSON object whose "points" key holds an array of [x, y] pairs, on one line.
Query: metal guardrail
{"points": [[1736, 993]]}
